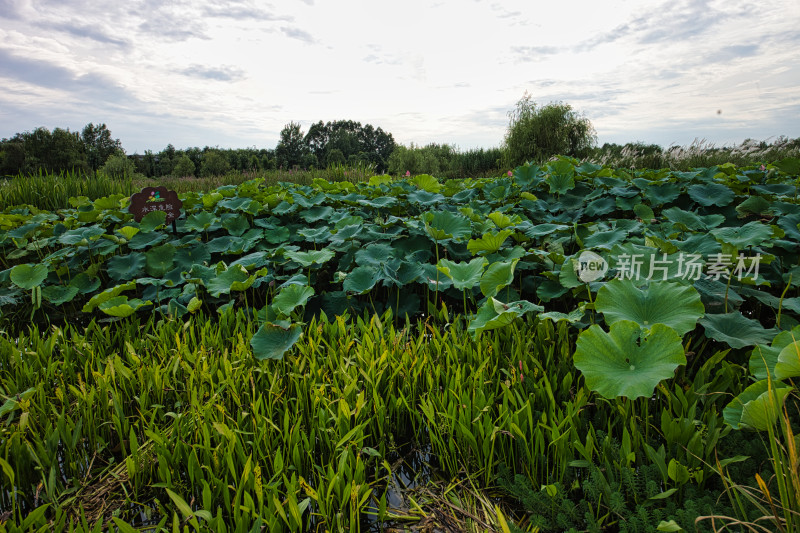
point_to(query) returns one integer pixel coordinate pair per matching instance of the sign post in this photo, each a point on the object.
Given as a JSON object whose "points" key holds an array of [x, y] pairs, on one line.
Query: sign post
{"points": [[156, 199]]}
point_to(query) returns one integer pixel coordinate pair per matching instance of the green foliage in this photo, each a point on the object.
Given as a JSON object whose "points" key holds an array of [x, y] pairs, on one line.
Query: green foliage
{"points": [[537, 133], [118, 167], [184, 167], [214, 164], [445, 161]]}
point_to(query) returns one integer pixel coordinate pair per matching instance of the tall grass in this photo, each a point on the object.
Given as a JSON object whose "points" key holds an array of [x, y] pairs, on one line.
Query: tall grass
{"points": [[700, 153], [53, 191]]}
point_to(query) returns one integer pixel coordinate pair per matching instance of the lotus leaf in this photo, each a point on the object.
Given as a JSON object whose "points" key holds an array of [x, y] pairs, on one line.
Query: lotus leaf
{"points": [[489, 243], [272, 341], [735, 329], [751, 234], [235, 278], [28, 276], [307, 259], [788, 364], [464, 275], [757, 407], [291, 297], [361, 279], [628, 360], [676, 306], [444, 225], [107, 294], [497, 276], [495, 314], [711, 194], [120, 306], [125, 267]]}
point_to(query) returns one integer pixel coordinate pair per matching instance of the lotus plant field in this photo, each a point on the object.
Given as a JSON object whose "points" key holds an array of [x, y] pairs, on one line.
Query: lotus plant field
{"points": [[569, 347]]}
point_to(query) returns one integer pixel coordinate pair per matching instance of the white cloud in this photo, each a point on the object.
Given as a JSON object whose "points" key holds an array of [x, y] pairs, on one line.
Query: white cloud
{"points": [[233, 73]]}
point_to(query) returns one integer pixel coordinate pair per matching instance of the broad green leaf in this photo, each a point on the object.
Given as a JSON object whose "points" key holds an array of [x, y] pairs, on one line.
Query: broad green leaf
{"points": [[374, 255], [160, 259], [426, 183], [735, 329], [711, 194], [751, 234], [59, 294], [200, 221], [28, 276], [128, 232], [788, 365], [757, 407], [502, 221], [291, 297], [236, 224], [495, 314], [692, 221], [674, 305], [125, 267], [121, 306], [235, 278], [272, 341], [497, 277], [107, 294], [628, 360], [489, 243], [152, 220], [361, 279], [464, 275], [307, 259], [444, 225]]}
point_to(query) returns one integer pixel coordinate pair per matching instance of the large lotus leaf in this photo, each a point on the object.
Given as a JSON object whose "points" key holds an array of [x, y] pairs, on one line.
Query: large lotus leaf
{"points": [[142, 240], [711, 194], [128, 232], [789, 165], [751, 234], [234, 278], [235, 224], [540, 230], [489, 243], [756, 407], [254, 260], [196, 254], [379, 202], [573, 317], [316, 235], [84, 283], [674, 305], [495, 314], [788, 365], [160, 259], [659, 195], [425, 198], [80, 236], [107, 294], [502, 221], [692, 221], [374, 255], [307, 259], [277, 236], [605, 240], [59, 294], [28, 276], [497, 276], [464, 275], [272, 341], [361, 279], [444, 225], [627, 361], [527, 175], [125, 267], [560, 183], [236, 203], [152, 220], [314, 214], [120, 306], [426, 183], [601, 206], [227, 244], [291, 297], [200, 221], [735, 329]]}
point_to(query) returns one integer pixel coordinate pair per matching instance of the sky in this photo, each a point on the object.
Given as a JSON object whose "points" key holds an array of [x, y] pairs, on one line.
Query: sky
{"points": [[233, 73]]}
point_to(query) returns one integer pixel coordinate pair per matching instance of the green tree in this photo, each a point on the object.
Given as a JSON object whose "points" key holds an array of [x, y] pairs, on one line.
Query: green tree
{"points": [[214, 164], [335, 157], [291, 147], [98, 144], [118, 166], [184, 167], [537, 133]]}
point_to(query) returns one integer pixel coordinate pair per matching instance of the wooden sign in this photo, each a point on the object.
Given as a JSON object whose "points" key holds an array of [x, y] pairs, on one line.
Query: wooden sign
{"points": [[155, 199]]}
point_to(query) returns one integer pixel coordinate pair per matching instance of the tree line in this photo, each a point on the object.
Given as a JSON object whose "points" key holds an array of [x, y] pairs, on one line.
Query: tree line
{"points": [[534, 133]]}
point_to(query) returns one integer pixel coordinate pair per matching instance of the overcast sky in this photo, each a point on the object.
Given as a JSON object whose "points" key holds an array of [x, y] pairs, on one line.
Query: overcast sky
{"points": [[232, 74]]}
